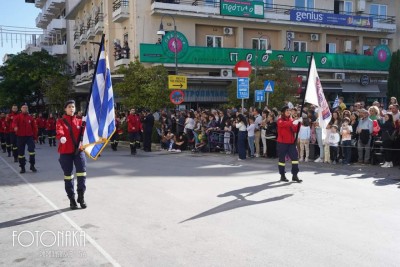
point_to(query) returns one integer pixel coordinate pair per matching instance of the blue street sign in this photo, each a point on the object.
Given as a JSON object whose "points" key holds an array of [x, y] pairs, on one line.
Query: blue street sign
{"points": [[243, 91], [269, 86], [259, 95]]}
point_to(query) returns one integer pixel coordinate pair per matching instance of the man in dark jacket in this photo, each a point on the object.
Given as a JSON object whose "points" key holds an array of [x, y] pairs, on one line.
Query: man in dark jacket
{"points": [[148, 123]]}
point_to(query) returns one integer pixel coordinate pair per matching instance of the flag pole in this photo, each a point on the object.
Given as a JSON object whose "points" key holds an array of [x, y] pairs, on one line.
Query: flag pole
{"points": [[304, 98]]}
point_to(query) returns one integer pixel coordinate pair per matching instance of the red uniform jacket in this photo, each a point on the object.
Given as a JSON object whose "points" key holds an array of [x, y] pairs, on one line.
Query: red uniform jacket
{"points": [[3, 126], [134, 124], [286, 130], [26, 125], [9, 121], [63, 131], [41, 122], [51, 124]]}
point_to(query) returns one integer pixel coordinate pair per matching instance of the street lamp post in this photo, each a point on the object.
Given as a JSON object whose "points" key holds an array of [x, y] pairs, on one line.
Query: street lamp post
{"points": [[175, 43], [267, 51]]}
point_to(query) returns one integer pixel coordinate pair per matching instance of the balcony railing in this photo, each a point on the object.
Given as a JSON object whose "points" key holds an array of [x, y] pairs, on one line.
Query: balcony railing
{"points": [[274, 11], [120, 10], [77, 42], [90, 30], [83, 37], [98, 24]]}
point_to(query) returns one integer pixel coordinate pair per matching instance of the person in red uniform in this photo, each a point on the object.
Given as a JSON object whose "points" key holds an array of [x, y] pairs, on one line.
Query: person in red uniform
{"points": [[41, 123], [11, 138], [26, 131], [51, 129], [287, 127], [134, 129], [3, 133], [69, 131], [115, 137]]}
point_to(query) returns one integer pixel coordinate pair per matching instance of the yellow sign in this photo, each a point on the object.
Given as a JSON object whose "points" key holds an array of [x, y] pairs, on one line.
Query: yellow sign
{"points": [[177, 82]]}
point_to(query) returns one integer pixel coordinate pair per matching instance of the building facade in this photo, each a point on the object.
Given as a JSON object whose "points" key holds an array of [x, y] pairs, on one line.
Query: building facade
{"points": [[352, 40]]}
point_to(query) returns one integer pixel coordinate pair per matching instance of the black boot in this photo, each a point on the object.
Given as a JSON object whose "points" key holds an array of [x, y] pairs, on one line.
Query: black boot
{"points": [[296, 179], [72, 203], [81, 199], [284, 179], [22, 170], [32, 168]]}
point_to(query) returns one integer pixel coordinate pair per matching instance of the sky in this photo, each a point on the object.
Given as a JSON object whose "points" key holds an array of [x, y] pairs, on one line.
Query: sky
{"points": [[20, 14]]}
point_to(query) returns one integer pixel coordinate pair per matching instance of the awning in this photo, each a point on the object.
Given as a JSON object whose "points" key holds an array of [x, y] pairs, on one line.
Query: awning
{"points": [[358, 88]]}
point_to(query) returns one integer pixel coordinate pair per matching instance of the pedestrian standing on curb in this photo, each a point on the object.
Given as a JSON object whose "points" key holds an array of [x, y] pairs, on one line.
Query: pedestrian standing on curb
{"points": [[334, 139], [346, 131], [148, 123], [26, 133], [287, 128], [250, 135], [69, 132], [241, 126]]}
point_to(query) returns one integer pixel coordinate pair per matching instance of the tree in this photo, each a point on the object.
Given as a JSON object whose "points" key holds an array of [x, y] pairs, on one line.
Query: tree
{"points": [[285, 85], [394, 81], [27, 78], [143, 87]]}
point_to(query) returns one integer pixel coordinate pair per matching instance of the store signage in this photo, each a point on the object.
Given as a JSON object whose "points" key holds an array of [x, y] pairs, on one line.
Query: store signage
{"points": [[242, 8]]}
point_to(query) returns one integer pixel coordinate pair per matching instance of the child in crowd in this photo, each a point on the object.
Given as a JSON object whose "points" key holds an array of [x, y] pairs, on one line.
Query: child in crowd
{"points": [[327, 158], [304, 137], [345, 132], [250, 135], [334, 139], [227, 137]]}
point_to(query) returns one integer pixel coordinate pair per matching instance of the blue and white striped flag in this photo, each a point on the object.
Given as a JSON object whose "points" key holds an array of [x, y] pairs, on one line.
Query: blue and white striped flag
{"points": [[336, 103], [100, 115]]}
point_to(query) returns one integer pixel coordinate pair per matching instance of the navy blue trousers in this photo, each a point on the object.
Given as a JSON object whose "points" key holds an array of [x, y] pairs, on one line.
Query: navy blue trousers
{"points": [[13, 145], [242, 140], [67, 162], [291, 151], [23, 141]]}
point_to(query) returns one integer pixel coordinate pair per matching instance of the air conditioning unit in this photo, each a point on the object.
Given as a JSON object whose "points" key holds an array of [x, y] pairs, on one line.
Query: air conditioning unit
{"points": [[347, 46], [314, 37], [361, 5], [228, 31], [226, 73], [384, 41], [290, 35], [339, 76]]}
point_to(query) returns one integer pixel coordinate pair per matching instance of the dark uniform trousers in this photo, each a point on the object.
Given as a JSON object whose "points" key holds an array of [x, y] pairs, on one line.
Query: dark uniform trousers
{"points": [[52, 137], [147, 139], [41, 135], [3, 141], [291, 151], [67, 162], [134, 141], [21, 142], [13, 145], [114, 140]]}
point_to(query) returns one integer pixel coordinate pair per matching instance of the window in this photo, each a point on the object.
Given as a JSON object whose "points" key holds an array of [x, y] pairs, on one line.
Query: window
{"points": [[378, 10], [259, 44], [348, 7], [268, 4], [331, 48], [213, 41], [299, 46], [304, 4]]}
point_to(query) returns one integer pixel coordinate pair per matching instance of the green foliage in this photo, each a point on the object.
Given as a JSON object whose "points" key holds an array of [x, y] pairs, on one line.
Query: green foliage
{"points": [[285, 86], [394, 81], [143, 87], [26, 78]]}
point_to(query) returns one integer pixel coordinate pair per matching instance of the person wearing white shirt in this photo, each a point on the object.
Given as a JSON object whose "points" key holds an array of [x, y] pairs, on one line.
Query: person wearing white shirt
{"points": [[257, 132], [345, 132], [250, 135], [304, 137], [241, 125], [334, 139]]}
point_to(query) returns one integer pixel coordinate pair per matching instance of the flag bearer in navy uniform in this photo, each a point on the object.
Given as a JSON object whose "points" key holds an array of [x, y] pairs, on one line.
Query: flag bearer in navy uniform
{"points": [[51, 129], [287, 128], [134, 129], [26, 132], [69, 132], [41, 123], [3, 132], [11, 137]]}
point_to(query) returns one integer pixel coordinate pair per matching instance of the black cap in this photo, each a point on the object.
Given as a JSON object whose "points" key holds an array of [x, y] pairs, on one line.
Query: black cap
{"points": [[284, 108], [71, 101]]}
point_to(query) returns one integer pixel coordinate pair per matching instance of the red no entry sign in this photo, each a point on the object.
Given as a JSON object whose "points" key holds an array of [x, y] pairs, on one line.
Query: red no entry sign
{"points": [[177, 97], [243, 68]]}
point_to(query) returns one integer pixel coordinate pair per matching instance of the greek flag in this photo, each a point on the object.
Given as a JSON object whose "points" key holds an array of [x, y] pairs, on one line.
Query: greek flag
{"points": [[336, 103], [100, 115]]}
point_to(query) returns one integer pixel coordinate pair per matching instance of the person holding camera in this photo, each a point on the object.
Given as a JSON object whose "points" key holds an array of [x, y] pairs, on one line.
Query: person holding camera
{"points": [[287, 127], [69, 131]]}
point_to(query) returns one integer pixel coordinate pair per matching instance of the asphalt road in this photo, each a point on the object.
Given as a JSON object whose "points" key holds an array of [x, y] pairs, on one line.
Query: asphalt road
{"points": [[184, 209]]}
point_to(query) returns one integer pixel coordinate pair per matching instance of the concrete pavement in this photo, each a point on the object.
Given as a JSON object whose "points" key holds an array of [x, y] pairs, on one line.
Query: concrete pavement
{"points": [[184, 209]]}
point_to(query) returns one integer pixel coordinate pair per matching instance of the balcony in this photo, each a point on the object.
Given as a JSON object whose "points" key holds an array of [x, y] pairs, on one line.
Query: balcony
{"points": [[277, 14], [122, 61], [57, 50], [54, 6], [77, 42], [39, 3], [90, 30], [57, 24], [83, 37], [41, 21], [98, 24], [120, 10]]}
